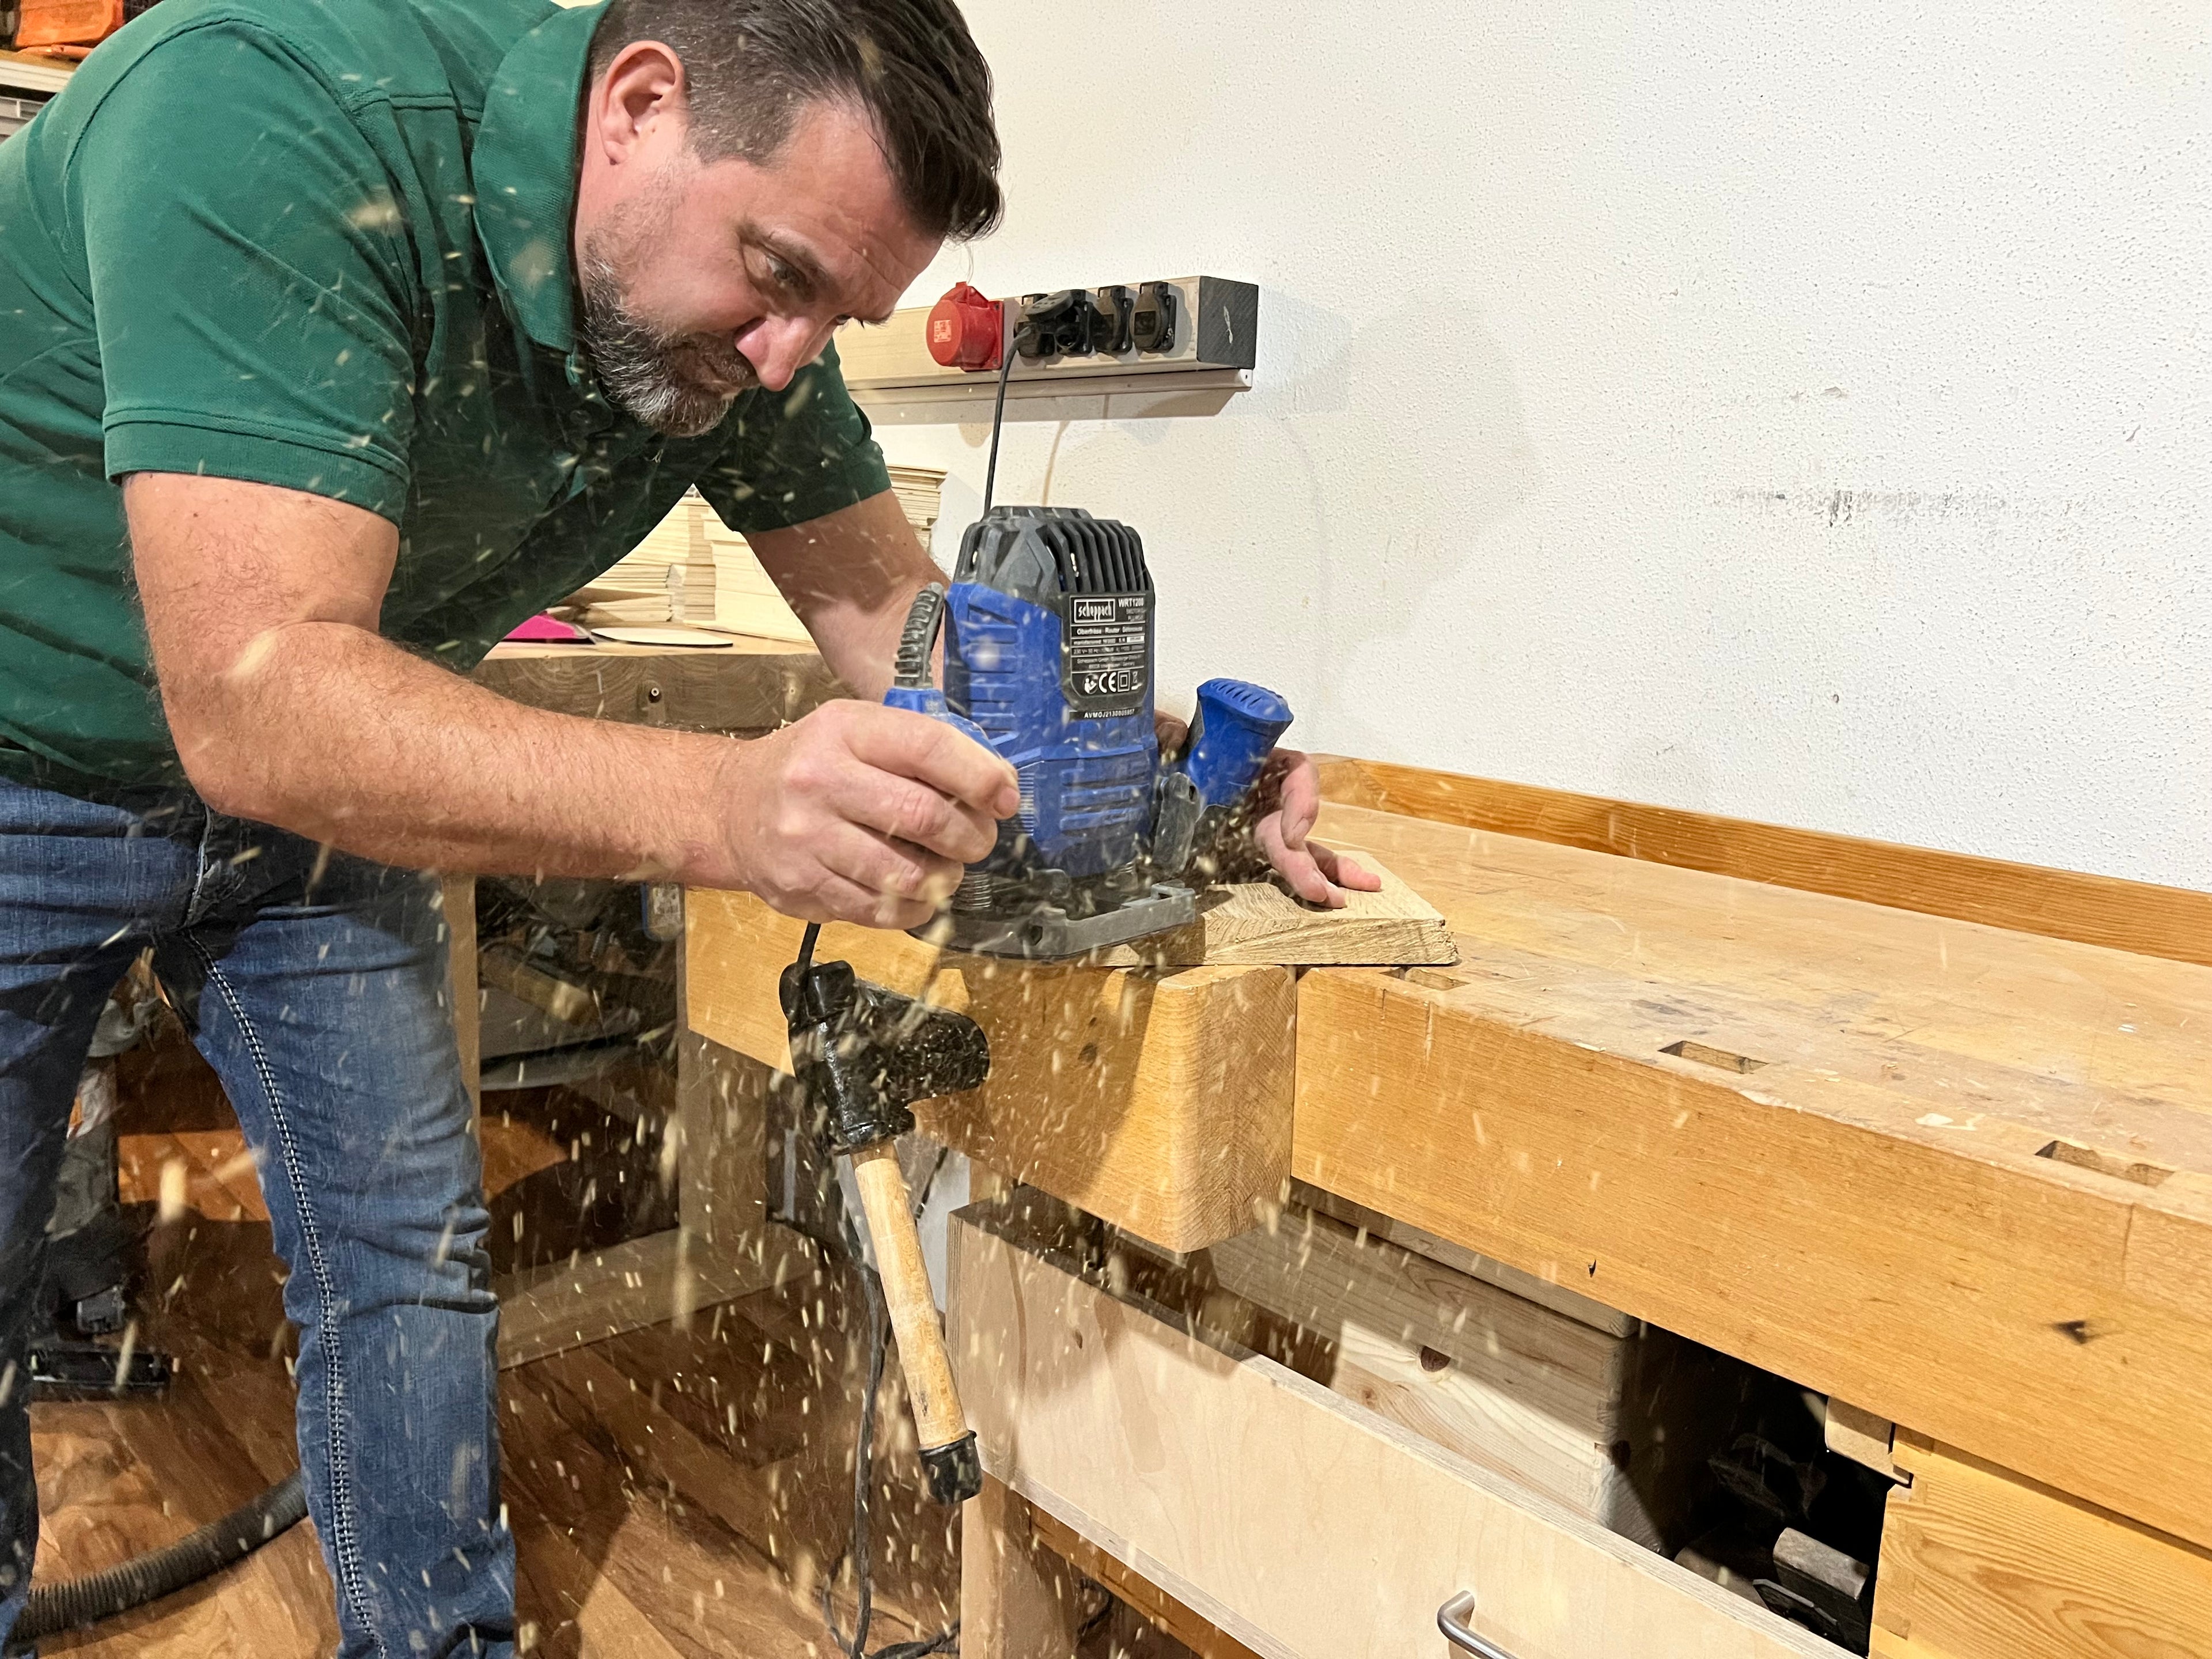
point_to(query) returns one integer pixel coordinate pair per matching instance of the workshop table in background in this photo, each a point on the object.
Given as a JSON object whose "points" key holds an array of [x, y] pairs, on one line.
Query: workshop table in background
{"points": [[720, 1248]]}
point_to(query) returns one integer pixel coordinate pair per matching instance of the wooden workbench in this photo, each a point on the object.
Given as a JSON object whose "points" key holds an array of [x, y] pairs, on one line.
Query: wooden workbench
{"points": [[1954, 1173], [745, 688]]}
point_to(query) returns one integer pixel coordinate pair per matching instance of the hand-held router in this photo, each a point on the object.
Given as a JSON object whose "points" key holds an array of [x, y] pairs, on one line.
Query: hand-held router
{"points": [[1048, 662]]}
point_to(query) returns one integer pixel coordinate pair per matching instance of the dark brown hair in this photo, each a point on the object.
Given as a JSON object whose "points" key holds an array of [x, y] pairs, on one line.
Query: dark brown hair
{"points": [[752, 66]]}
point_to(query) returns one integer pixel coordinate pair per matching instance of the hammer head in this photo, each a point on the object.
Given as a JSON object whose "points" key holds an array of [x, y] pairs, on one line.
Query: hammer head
{"points": [[865, 1054]]}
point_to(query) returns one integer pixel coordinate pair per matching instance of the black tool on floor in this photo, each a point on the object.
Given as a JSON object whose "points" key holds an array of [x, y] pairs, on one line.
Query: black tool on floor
{"points": [[83, 1295]]}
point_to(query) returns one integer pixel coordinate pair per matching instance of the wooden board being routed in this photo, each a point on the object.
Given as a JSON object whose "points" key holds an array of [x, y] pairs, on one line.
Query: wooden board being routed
{"points": [[1159, 1100], [1978, 1564], [1958, 1175], [1261, 923]]}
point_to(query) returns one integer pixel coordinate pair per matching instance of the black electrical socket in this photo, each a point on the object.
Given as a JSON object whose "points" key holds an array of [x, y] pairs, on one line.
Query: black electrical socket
{"points": [[1061, 324], [1153, 324], [1111, 329]]}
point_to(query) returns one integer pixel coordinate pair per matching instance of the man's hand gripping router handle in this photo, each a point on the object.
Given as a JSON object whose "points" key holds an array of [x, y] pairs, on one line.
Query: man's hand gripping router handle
{"points": [[862, 813]]}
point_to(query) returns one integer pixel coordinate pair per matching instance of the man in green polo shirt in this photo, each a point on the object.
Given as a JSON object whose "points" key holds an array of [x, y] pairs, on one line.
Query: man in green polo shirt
{"points": [[336, 339]]}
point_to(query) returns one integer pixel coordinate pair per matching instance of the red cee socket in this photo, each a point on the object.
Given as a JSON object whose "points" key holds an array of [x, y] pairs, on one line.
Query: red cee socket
{"points": [[967, 331]]}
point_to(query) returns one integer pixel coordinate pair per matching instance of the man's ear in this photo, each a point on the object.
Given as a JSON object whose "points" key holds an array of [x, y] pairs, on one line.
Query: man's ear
{"points": [[642, 97]]}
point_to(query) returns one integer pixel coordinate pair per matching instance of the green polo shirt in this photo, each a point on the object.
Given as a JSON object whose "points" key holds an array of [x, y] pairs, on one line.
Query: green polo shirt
{"points": [[325, 243]]}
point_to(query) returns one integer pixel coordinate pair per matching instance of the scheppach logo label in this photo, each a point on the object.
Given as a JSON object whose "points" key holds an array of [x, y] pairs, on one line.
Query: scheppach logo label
{"points": [[1094, 611]]}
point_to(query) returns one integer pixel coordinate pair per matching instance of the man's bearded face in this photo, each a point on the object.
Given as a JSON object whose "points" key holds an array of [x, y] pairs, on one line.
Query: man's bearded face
{"points": [[675, 381]]}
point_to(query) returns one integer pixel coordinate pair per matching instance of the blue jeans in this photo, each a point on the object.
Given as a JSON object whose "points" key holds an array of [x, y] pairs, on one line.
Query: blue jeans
{"points": [[316, 986]]}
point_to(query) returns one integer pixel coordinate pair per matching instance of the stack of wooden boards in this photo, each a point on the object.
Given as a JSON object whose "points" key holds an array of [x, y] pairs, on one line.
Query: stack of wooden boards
{"points": [[720, 580]]}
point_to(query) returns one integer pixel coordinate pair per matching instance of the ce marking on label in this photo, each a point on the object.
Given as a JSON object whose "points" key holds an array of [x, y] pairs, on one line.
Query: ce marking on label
{"points": [[1112, 683]]}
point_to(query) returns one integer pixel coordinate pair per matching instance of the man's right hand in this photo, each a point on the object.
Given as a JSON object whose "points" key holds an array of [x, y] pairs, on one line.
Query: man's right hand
{"points": [[863, 813]]}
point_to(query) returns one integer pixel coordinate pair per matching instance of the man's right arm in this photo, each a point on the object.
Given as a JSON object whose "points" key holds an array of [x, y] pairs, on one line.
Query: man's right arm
{"points": [[288, 708]]}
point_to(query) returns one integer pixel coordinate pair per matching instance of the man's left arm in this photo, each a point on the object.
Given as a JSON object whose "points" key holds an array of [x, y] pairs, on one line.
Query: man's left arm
{"points": [[850, 576]]}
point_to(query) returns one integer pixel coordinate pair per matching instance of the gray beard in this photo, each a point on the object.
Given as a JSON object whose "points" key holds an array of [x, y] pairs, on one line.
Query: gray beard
{"points": [[679, 383]]}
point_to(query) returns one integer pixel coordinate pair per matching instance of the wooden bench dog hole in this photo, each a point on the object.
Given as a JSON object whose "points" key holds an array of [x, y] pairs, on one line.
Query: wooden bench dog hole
{"points": [[1686, 1050], [2088, 1157]]}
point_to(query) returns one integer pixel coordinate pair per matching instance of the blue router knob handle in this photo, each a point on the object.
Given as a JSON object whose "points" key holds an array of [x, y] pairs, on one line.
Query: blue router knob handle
{"points": [[928, 700], [1235, 730]]}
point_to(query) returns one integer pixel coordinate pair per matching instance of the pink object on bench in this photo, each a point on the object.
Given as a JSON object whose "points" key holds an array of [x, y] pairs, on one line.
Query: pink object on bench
{"points": [[542, 629]]}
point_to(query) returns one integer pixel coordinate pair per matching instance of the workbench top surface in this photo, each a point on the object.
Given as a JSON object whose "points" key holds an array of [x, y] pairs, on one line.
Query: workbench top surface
{"points": [[1948, 1025]]}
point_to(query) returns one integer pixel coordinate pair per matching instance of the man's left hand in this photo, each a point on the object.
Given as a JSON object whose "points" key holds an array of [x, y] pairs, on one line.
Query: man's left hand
{"points": [[1288, 797]]}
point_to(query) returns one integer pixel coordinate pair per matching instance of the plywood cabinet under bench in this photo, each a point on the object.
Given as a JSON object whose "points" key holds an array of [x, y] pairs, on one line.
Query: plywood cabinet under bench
{"points": [[1303, 1524]]}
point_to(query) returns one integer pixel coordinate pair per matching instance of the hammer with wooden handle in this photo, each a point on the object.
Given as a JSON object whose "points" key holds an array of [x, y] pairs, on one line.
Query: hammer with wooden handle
{"points": [[864, 1055]]}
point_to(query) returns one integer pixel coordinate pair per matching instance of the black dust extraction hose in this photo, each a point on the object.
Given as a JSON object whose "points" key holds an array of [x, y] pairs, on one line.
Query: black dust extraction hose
{"points": [[53, 1608]]}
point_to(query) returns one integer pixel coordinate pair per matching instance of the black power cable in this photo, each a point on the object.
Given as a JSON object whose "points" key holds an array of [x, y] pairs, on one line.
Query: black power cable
{"points": [[1008, 336], [948, 1640]]}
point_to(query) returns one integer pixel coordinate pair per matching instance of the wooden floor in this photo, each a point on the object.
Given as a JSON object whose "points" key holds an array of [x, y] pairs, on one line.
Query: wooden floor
{"points": [[673, 1496]]}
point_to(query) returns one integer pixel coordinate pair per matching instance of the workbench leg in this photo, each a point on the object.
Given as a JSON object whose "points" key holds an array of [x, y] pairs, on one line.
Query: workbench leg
{"points": [[1017, 1599], [460, 913], [721, 1169]]}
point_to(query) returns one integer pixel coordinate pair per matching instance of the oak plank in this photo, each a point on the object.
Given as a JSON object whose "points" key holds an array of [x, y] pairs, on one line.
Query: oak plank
{"points": [[1260, 923], [1158, 1100], [1978, 1563]]}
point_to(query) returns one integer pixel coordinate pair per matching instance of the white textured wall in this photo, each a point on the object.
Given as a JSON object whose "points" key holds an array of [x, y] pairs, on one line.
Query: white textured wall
{"points": [[1800, 413]]}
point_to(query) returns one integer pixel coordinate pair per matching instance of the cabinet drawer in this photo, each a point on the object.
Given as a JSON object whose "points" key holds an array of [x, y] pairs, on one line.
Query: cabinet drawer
{"points": [[1305, 1526]]}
